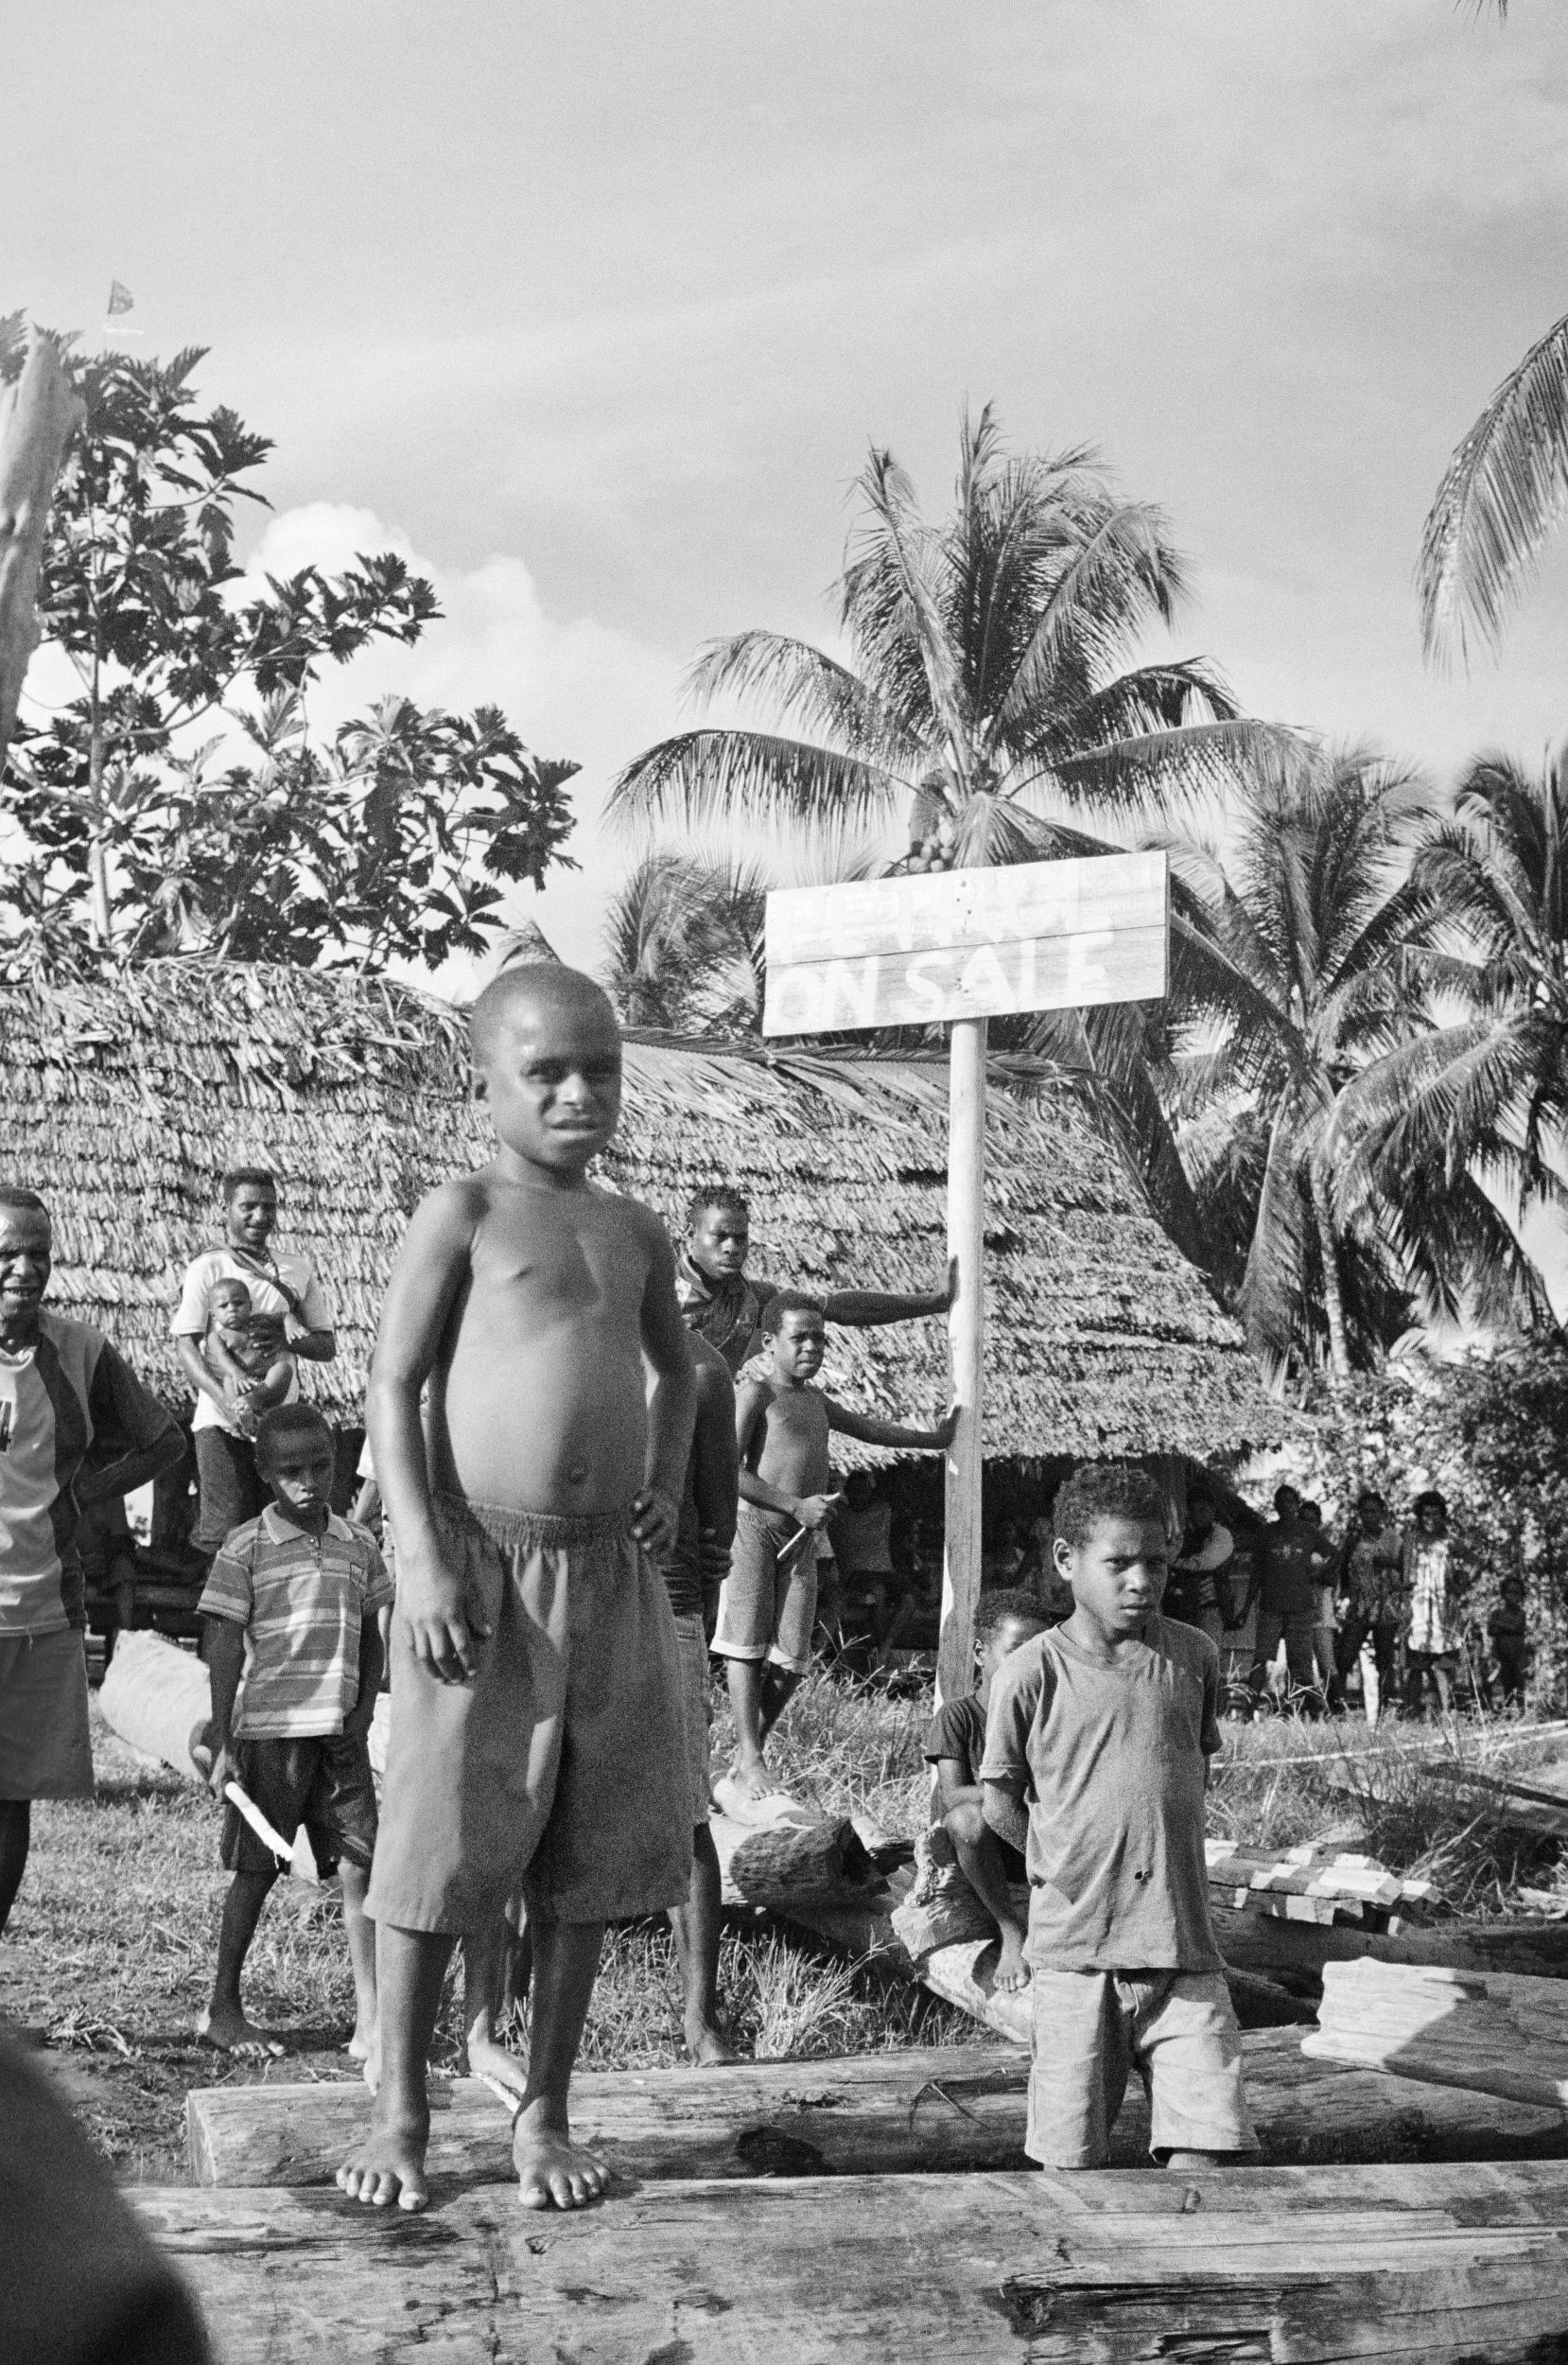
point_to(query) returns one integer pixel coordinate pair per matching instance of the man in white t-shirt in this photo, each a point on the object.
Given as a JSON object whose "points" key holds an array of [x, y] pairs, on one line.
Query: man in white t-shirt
{"points": [[284, 1290]]}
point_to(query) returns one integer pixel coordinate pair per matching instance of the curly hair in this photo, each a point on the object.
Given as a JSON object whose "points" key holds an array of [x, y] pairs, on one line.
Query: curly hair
{"points": [[787, 1302], [1106, 1490], [288, 1420], [722, 1198], [1007, 1605]]}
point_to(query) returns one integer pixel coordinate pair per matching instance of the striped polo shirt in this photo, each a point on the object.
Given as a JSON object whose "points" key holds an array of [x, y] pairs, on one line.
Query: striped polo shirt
{"points": [[67, 1399], [301, 1599]]}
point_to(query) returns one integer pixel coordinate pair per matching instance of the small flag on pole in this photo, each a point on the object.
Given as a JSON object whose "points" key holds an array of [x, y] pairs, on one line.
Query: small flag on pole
{"points": [[119, 298]]}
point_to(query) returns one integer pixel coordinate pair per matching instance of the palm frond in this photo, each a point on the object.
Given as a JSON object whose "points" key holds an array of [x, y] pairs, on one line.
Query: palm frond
{"points": [[1504, 491], [806, 686], [1141, 777], [701, 776]]}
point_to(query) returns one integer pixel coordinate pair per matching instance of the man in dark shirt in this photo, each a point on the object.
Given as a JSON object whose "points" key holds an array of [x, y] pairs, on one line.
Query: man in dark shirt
{"points": [[1289, 1557], [724, 1304], [955, 1744]]}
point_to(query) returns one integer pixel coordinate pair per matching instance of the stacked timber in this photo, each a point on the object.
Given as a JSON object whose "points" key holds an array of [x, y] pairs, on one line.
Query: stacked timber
{"points": [[1497, 2035], [1315, 1885]]}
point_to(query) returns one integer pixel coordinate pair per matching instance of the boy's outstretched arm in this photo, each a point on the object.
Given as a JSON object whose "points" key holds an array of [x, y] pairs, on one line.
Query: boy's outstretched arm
{"points": [[867, 1309], [431, 1267], [672, 1408], [873, 1432]]}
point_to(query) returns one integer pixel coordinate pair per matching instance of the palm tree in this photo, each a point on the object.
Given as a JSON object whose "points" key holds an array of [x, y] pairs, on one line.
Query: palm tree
{"points": [[983, 699], [683, 945], [1311, 967], [1504, 490], [1484, 1094], [983, 693]]}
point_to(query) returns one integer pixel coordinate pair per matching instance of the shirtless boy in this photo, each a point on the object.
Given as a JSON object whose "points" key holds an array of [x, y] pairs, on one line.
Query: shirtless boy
{"points": [[768, 1604], [536, 1736], [246, 1354]]}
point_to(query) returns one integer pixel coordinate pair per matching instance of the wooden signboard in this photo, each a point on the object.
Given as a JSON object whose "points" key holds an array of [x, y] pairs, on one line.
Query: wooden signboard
{"points": [[966, 946], [957, 944]]}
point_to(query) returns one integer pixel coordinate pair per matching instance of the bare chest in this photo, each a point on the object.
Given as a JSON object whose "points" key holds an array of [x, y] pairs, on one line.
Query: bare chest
{"points": [[579, 1262]]}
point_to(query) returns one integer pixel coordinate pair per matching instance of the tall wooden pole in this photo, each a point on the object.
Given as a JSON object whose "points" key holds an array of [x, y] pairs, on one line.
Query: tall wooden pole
{"points": [[37, 413], [966, 1334]]}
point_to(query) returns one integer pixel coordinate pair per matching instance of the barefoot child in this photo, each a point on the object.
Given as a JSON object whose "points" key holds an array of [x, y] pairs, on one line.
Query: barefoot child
{"points": [[955, 1745], [245, 1352], [536, 1733], [295, 1649], [1096, 1761], [767, 1606]]}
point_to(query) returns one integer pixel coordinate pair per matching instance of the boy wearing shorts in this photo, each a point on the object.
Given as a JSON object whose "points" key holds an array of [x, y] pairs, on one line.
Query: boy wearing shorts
{"points": [[767, 1606], [294, 1651], [536, 1738], [1096, 1761]]}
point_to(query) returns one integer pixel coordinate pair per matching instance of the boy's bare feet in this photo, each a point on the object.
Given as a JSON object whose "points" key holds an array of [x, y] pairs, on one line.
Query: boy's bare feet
{"points": [[707, 2045], [225, 2026], [389, 2165], [753, 1779], [552, 2171], [486, 2058], [1012, 1971]]}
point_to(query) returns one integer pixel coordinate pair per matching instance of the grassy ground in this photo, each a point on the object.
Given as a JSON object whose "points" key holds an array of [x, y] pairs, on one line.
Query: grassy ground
{"points": [[110, 1947]]}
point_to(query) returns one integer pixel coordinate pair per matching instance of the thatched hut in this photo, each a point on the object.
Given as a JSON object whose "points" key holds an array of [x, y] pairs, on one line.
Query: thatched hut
{"points": [[123, 1105]]}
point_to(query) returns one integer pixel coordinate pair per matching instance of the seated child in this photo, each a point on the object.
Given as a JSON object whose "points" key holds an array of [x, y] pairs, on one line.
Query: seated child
{"points": [[294, 1650], [537, 1741], [955, 1744], [1510, 1640], [1096, 1750], [767, 1605], [245, 1351]]}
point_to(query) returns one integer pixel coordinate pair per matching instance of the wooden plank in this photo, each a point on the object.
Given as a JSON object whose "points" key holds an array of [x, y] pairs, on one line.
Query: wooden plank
{"points": [[1502, 2035], [931, 2270], [964, 1465], [958, 2108], [966, 944]]}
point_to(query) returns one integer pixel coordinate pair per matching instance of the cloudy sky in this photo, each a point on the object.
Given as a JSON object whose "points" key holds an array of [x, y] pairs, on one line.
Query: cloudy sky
{"points": [[594, 309]]}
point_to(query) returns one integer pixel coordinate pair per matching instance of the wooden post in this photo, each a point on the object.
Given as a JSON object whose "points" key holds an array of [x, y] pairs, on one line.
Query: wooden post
{"points": [[966, 1332], [37, 413]]}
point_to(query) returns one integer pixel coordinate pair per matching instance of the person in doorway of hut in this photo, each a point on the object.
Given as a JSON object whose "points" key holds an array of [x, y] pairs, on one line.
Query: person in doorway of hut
{"points": [[1199, 1591], [284, 1292], [1096, 1761], [1289, 1554], [724, 1304], [955, 1744], [537, 1741], [245, 1351], [767, 1605], [1510, 1644], [77, 1428], [1430, 1639], [293, 1636], [1371, 1585]]}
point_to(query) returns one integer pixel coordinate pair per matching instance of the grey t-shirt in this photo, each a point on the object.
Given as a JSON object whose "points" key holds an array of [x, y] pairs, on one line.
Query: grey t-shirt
{"points": [[1110, 1757]]}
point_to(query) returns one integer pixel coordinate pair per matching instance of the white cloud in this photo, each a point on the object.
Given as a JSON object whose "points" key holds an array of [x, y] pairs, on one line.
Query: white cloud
{"points": [[574, 688]]}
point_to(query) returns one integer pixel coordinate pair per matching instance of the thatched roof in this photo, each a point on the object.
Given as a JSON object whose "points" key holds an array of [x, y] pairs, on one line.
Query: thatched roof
{"points": [[124, 1104]]}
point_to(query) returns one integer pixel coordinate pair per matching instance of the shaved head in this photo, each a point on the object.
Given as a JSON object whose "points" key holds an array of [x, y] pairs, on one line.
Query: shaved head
{"points": [[533, 990]]}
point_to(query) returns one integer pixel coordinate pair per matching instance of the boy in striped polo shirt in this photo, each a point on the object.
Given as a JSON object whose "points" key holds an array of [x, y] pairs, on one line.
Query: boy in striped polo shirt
{"points": [[295, 1649]]}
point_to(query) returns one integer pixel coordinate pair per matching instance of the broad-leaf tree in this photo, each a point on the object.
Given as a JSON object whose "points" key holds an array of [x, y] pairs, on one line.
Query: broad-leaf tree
{"points": [[178, 801]]}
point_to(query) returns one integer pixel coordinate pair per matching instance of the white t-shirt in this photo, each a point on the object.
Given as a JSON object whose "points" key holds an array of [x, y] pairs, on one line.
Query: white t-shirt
{"points": [[194, 1311]]}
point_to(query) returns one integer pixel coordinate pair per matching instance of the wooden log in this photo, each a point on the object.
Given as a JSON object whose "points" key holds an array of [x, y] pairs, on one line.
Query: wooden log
{"points": [[1294, 1953], [792, 1864], [1303, 2264], [37, 413], [1501, 2035], [156, 1696], [953, 2108]]}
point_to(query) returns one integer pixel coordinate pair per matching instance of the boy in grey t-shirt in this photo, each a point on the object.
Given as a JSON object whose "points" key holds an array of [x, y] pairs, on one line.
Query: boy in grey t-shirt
{"points": [[1095, 1765]]}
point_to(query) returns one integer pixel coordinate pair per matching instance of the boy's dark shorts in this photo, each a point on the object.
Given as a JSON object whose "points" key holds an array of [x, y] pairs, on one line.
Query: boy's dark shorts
{"points": [[323, 1782]]}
